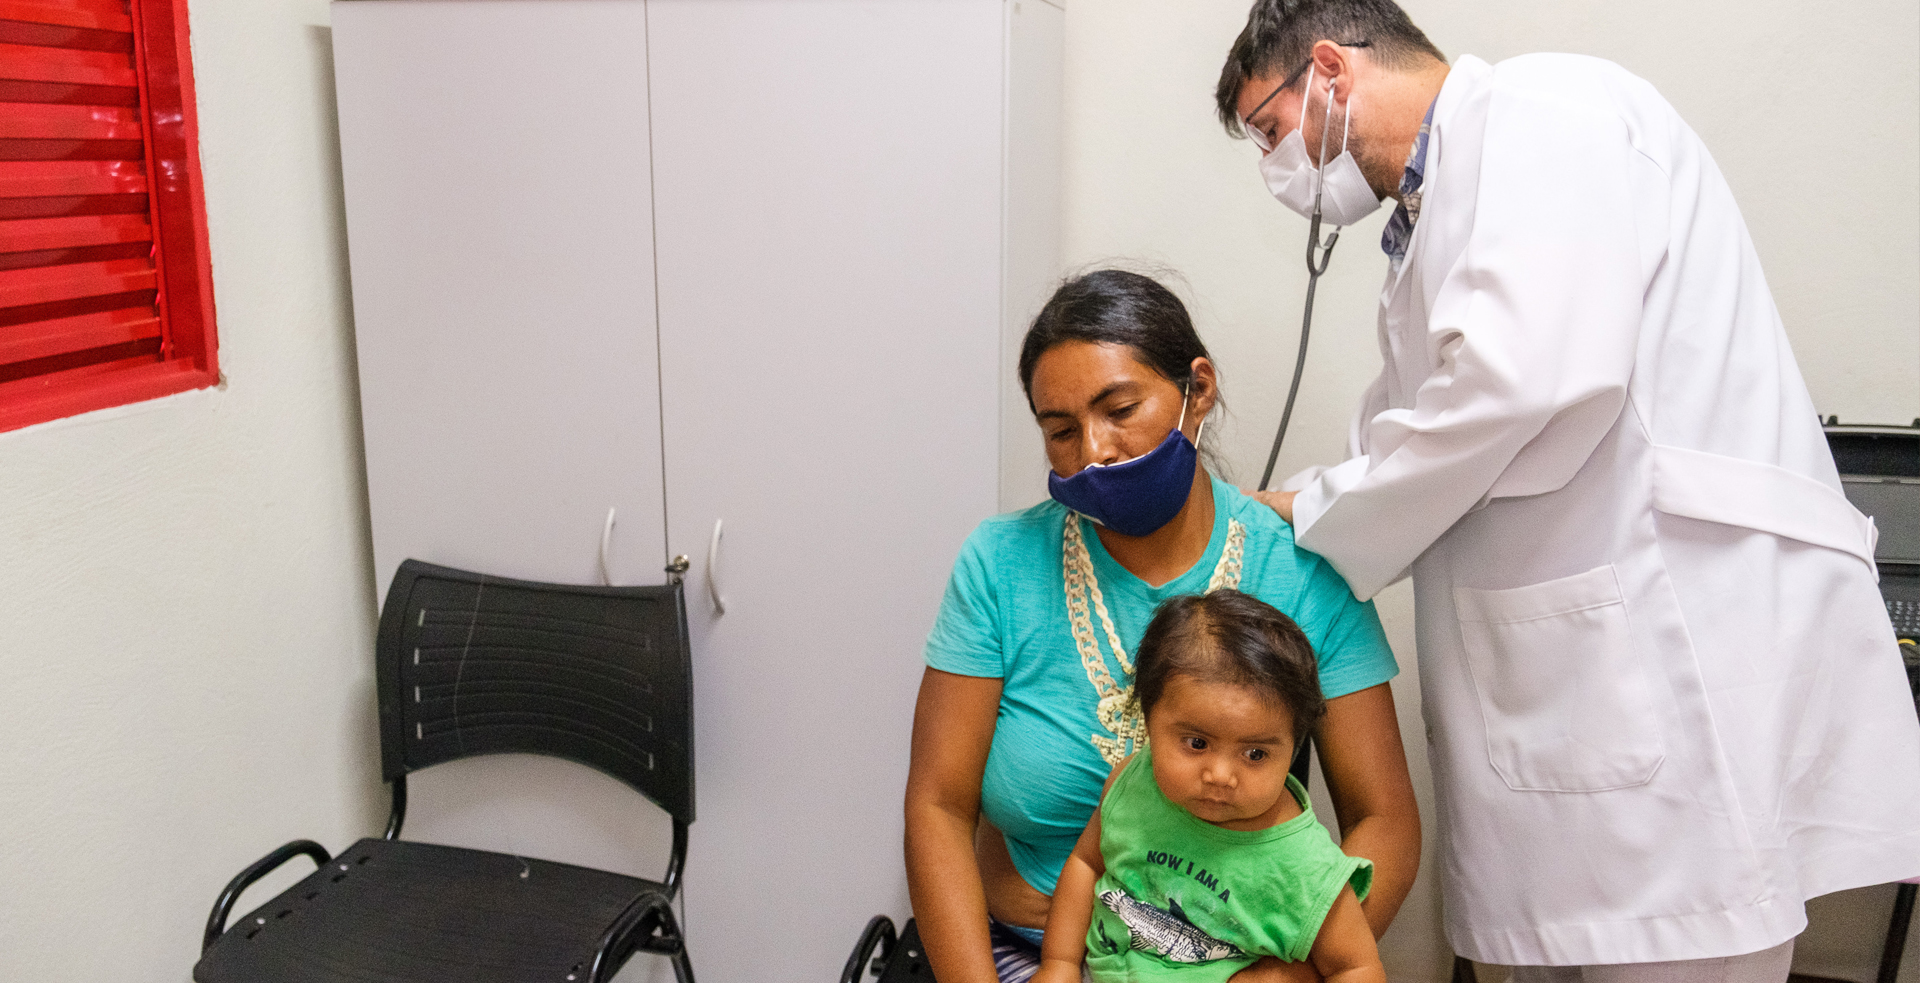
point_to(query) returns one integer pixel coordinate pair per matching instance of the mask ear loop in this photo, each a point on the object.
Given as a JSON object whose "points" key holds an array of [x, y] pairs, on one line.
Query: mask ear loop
{"points": [[1326, 126], [1185, 393], [1346, 127]]}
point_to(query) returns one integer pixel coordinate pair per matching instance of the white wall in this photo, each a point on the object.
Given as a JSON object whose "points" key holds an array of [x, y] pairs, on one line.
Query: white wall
{"points": [[185, 603], [1825, 165]]}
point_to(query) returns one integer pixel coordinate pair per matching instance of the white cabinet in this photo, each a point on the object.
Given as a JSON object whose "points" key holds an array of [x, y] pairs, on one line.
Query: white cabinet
{"points": [[751, 262]]}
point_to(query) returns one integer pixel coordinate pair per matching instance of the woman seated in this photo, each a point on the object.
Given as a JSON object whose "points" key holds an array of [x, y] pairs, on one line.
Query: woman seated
{"points": [[1025, 705]]}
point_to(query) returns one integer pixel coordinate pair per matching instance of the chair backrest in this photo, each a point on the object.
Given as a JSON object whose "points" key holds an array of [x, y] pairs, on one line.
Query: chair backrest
{"points": [[471, 664]]}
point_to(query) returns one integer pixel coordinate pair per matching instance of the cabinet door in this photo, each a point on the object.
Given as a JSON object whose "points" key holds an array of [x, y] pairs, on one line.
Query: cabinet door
{"points": [[500, 224], [829, 214], [500, 228]]}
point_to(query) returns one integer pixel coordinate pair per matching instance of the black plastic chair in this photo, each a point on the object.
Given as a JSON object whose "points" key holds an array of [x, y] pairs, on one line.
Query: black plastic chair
{"points": [[891, 958], [469, 665]]}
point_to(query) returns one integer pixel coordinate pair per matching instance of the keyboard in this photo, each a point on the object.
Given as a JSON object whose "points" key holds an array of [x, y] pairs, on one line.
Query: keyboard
{"points": [[1905, 615]]}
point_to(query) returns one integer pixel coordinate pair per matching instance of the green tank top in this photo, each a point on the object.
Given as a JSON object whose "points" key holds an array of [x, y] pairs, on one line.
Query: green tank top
{"points": [[1185, 899]]}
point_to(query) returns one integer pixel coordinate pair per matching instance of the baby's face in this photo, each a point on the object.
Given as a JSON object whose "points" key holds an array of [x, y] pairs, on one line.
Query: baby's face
{"points": [[1221, 752]]}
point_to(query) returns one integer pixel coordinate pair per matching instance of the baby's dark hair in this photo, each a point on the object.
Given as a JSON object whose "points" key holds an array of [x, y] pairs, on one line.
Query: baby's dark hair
{"points": [[1230, 637]]}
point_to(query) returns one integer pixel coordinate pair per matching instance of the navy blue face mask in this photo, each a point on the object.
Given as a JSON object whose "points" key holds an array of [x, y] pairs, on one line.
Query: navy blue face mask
{"points": [[1136, 497]]}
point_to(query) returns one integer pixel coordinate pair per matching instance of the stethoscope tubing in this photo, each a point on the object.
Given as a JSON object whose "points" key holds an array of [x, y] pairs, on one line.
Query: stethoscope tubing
{"points": [[1316, 265], [1306, 327]]}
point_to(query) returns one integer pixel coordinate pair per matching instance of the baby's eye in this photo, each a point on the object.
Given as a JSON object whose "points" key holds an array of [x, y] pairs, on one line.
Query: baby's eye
{"points": [[1256, 754], [1197, 743]]}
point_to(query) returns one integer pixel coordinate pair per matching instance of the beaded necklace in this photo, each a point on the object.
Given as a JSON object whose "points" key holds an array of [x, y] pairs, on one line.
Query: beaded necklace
{"points": [[1118, 712]]}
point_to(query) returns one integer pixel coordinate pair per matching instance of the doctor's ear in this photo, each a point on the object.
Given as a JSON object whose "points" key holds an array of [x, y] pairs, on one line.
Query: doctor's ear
{"points": [[1333, 66]]}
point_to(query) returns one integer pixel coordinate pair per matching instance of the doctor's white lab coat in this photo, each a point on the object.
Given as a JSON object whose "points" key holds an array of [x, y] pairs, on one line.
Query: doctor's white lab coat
{"points": [[1663, 700]]}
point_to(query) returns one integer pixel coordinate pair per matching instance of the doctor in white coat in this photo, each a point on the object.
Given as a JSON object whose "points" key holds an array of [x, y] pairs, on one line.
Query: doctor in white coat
{"points": [[1664, 704]]}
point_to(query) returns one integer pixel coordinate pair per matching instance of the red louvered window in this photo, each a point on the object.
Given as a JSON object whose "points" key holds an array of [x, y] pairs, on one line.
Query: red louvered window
{"points": [[106, 293]]}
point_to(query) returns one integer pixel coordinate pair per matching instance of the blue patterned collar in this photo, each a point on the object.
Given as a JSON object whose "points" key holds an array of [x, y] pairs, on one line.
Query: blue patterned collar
{"points": [[1399, 229]]}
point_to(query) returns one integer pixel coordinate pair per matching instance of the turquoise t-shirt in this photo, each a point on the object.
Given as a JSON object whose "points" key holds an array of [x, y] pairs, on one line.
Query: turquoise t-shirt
{"points": [[1005, 616]]}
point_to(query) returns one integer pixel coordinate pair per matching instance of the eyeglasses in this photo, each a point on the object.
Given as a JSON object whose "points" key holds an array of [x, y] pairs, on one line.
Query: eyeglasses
{"points": [[1246, 122]]}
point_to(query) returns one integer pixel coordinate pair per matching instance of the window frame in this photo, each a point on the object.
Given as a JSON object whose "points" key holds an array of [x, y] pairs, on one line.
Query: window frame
{"points": [[187, 355]]}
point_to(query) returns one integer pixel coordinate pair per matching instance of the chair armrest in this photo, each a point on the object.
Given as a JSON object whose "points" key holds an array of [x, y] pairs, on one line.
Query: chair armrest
{"points": [[879, 932], [615, 937], [217, 922]]}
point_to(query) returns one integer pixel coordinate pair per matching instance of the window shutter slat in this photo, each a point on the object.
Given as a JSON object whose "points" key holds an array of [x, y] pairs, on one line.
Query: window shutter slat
{"points": [[132, 150], [24, 179], [53, 121], [48, 284], [32, 63], [65, 233], [62, 336], [63, 36], [106, 15], [59, 206], [13, 90]]}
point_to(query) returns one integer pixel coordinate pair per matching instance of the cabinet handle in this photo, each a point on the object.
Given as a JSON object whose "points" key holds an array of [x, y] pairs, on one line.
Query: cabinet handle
{"points": [[713, 569], [606, 543]]}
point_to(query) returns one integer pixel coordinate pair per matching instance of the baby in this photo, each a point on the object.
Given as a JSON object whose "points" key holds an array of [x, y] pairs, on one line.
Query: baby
{"points": [[1204, 854]]}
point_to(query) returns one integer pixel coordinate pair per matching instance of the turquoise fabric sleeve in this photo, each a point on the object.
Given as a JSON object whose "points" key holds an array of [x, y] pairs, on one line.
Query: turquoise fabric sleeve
{"points": [[965, 639], [1352, 646], [1345, 632]]}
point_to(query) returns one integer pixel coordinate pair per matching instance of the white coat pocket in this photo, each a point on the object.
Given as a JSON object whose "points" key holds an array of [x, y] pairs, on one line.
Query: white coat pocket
{"points": [[1566, 699]]}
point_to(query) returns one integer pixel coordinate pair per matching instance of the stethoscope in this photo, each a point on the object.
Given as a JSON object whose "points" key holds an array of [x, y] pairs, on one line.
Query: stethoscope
{"points": [[1318, 255]]}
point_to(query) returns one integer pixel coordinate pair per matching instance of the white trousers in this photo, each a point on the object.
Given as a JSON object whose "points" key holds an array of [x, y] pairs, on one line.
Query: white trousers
{"points": [[1765, 966]]}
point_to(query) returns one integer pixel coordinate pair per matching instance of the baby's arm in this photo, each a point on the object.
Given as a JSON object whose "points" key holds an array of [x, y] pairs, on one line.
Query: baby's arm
{"points": [[1344, 951], [1071, 914], [1064, 946]]}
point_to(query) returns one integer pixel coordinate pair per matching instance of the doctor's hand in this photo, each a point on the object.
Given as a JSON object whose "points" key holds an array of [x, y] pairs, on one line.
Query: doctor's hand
{"points": [[1271, 970], [1279, 501]]}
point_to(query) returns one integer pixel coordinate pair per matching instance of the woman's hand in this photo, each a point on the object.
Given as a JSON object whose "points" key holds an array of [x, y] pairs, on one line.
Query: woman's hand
{"points": [[952, 730], [1271, 970], [1279, 501]]}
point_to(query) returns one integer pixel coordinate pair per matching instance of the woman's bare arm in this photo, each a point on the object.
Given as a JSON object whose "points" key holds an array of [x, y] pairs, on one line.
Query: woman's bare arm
{"points": [[1366, 769], [952, 730]]}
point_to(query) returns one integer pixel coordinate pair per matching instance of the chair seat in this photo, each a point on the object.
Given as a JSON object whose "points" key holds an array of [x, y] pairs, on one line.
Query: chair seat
{"points": [[400, 912]]}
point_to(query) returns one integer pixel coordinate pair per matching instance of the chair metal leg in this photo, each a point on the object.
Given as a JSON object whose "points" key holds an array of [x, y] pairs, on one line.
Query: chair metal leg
{"points": [[670, 928], [1897, 932]]}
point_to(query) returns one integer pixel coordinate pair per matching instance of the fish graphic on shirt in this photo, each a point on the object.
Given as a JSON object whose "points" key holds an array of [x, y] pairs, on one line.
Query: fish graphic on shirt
{"points": [[1167, 932]]}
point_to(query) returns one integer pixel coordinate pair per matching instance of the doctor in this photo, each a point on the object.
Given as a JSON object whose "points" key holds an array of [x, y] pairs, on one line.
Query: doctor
{"points": [[1663, 700]]}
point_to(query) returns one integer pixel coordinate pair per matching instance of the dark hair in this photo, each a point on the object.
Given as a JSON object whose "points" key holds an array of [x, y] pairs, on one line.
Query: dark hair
{"points": [[1230, 637], [1280, 35], [1120, 308]]}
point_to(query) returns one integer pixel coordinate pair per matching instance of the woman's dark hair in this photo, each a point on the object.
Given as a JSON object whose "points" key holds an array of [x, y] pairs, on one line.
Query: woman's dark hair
{"points": [[1120, 308], [1280, 35], [1235, 638]]}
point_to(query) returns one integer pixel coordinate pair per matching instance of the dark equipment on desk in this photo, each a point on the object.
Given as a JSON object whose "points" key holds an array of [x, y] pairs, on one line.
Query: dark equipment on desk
{"points": [[1880, 472]]}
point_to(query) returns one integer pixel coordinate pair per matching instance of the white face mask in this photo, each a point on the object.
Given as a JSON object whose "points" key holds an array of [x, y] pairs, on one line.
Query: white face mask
{"points": [[1337, 189]]}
